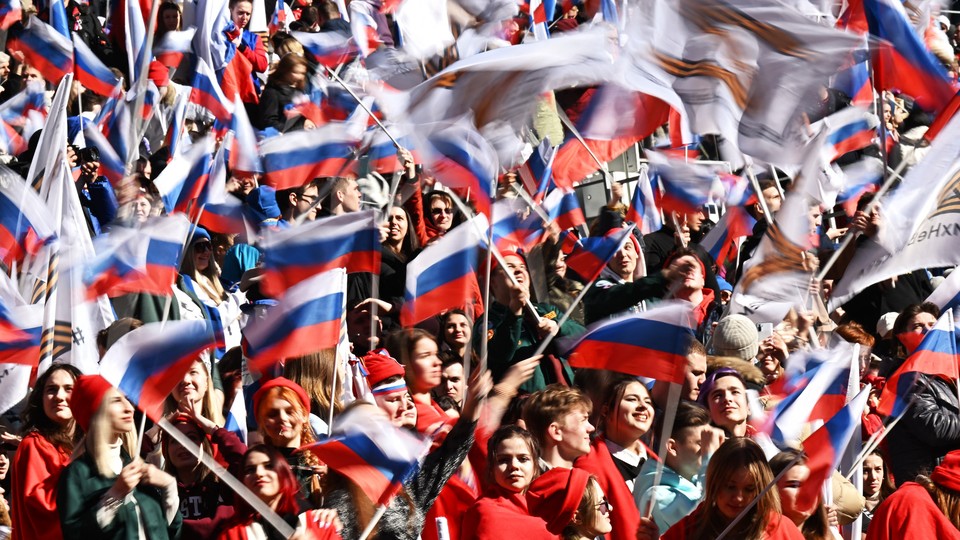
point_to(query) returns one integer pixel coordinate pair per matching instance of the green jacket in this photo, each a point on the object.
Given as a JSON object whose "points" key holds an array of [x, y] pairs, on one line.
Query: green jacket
{"points": [[510, 340], [78, 497]]}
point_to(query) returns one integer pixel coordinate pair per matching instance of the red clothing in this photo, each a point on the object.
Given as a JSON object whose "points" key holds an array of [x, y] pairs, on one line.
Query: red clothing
{"points": [[500, 514], [778, 528], [910, 513], [36, 470], [250, 530], [429, 416], [625, 517]]}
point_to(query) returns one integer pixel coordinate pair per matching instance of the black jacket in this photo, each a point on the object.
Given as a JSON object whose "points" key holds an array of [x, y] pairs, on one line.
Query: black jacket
{"points": [[929, 429], [273, 101]]}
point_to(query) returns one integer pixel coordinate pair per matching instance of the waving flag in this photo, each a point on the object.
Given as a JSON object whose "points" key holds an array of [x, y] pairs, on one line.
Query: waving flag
{"points": [[363, 25], [293, 159], [111, 165], [825, 446], [282, 15], [539, 21], [10, 12], [138, 260], [90, 71], [818, 394], [443, 275], [650, 344], [563, 208], [307, 319], [244, 156], [591, 254], [169, 52], [721, 241], [643, 208], [374, 454], [514, 226], [328, 48], [20, 328], [947, 295], [25, 225], [43, 48], [537, 172], [849, 129], [461, 158], [936, 356], [901, 60], [147, 363], [686, 188], [185, 176], [58, 19], [206, 93], [350, 241]]}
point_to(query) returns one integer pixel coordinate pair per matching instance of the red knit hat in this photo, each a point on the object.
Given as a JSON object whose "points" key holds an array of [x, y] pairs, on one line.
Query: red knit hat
{"points": [[284, 383], [947, 473], [381, 366], [556, 495], [86, 398]]}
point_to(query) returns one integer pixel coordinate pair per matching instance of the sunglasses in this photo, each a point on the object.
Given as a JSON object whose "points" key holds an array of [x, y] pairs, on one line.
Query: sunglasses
{"points": [[438, 211], [202, 247], [604, 506]]}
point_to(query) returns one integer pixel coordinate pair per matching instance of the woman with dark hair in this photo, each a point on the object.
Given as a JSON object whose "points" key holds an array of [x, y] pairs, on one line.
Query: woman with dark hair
{"points": [[266, 473], [513, 464], [169, 19], [285, 83], [814, 523], [928, 507], [51, 435], [876, 486], [441, 213], [736, 475], [246, 42], [398, 248], [416, 349], [456, 332], [909, 328]]}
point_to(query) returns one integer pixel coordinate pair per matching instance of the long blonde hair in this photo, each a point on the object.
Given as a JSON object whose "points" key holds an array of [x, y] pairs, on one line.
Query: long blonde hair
{"points": [[208, 279], [210, 408], [101, 435], [314, 373]]}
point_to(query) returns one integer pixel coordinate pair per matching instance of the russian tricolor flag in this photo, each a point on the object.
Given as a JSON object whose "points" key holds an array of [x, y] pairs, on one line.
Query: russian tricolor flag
{"points": [[206, 93], [643, 207], [514, 226], [847, 130], [138, 260], [350, 241], [461, 158], [375, 455], [538, 13], [651, 344], [818, 394], [562, 206], [146, 364], [111, 165], [825, 446], [936, 356], [43, 48], [901, 60], [537, 172], [169, 52], [10, 12], [20, 330], [25, 225], [184, 178], [306, 320], [244, 156], [591, 254], [90, 71], [293, 159], [721, 241], [443, 275], [947, 295], [686, 188], [225, 218]]}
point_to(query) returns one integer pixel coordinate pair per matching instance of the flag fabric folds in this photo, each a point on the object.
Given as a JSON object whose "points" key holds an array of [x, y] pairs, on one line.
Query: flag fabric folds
{"points": [[306, 319], [461, 158], [591, 254], [350, 241], [292, 160], [43, 48], [90, 71], [650, 344], [147, 363], [25, 225]]}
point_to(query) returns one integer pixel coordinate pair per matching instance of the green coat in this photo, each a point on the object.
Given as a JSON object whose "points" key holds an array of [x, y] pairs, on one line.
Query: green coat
{"points": [[510, 340], [78, 497]]}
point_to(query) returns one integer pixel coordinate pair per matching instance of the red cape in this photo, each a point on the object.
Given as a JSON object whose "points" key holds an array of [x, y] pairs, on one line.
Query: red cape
{"points": [[625, 517], [910, 513], [499, 514]]}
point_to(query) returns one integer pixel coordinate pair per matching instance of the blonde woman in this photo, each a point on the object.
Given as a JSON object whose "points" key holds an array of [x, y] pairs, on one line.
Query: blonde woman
{"points": [[106, 493]]}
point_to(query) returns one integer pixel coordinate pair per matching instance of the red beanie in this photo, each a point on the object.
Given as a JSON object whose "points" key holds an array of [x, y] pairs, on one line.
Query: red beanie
{"points": [[380, 366], [555, 496], [86, 398], [947, 473], [159, 74], [284, 383]]}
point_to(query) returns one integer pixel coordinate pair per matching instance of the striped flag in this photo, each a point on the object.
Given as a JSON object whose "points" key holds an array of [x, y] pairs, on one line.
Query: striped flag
{"points": [[25, 225], [563, 208], [43, 48], [184, 178], [146, 364], [90, 71], [293, 159], [350, 241], [651, 344], [591, 254], [306, 319], [206, 93], [461, 158], [643, 207]]}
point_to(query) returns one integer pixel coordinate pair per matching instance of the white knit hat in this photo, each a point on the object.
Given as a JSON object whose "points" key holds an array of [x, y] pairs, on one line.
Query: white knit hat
{"points": [[737, 336]]}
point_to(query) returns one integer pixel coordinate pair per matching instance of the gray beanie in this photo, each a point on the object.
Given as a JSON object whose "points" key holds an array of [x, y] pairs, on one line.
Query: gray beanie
{"points": [[736, 336]]}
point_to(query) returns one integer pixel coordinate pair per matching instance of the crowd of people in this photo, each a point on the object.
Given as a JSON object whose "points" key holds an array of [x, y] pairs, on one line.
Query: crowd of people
{"points": [[522, 444]]}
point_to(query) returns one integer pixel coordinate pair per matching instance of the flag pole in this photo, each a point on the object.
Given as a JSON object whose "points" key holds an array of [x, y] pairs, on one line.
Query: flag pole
{"points": [[851, 235], [576, 301], [874, 441], [363, 106], [763, 492], [381, 509], [231, 481], [566, 122], [670, 415], [534, 207], [760, 198]]}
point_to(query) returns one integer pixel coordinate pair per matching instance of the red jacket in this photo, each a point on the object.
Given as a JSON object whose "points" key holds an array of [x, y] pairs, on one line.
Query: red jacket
{"points": [[778, 528], [501, 514], [910, 513], [625, 517], [33, 499], [246, 530]]}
